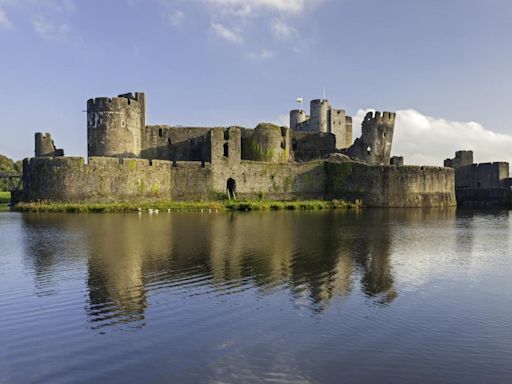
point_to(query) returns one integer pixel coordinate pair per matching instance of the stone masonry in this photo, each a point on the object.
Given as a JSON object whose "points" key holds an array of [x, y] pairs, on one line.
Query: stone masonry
{"points": [[131, 161]]}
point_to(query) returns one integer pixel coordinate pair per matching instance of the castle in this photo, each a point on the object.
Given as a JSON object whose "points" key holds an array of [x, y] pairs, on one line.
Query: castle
{"points": [[314, 158], [484, 184]]}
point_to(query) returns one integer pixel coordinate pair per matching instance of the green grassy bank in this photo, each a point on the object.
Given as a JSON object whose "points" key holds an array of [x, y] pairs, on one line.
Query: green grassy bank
{"points": [[5, 197], [224, 205]]}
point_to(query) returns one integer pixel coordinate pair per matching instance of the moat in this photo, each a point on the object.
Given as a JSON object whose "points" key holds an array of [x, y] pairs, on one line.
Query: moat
{"points": [[382, 296]]}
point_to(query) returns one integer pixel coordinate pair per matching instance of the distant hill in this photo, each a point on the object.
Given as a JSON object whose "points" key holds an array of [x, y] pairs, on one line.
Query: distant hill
{"points": [[8, 165]]}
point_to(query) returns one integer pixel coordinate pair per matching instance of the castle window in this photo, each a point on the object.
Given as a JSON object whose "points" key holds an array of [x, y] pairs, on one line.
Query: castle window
{"points": [[226, 150], [160, 132], [169, 141], [283, 144], [226, 135], [369, 150]]}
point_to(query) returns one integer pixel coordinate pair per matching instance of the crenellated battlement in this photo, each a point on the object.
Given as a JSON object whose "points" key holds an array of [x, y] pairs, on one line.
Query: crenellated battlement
{"points": [[319, 102], [106, 103], [377, 117]]}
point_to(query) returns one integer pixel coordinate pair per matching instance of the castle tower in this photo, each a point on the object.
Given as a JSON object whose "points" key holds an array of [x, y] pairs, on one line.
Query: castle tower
{"points": [[297, 116], [268, 143], [115, 125], [45, 147], [461, 159], [341, 126], [319, 110], [374, 145]]}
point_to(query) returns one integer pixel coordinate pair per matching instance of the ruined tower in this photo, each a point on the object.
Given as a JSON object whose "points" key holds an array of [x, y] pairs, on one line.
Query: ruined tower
{"points": [[45, 147], [374, 145], [115, 125]]}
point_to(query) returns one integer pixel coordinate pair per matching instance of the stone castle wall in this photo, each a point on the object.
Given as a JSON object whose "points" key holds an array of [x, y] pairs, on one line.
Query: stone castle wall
{"points": [[102, 179], [175, 143], [272, 181], [391, 186], [309, 146], [109, 179], [483, 175], [192, 181]]}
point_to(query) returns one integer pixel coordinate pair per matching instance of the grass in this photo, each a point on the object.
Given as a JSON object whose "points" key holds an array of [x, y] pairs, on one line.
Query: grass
{"points": [[5, 197], [224, 205]]}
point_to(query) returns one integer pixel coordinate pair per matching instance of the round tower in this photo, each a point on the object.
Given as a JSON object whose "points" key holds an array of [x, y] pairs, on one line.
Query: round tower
{"points": [[114, 127], [319, 115], [268, 143], [297, 116], [44, 145]]}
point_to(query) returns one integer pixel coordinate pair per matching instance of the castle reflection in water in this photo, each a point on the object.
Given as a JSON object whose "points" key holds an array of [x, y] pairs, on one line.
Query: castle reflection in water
{"points": [[315, 257]]}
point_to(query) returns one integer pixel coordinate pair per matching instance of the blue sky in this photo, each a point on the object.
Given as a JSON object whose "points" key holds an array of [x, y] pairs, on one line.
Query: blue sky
{"points": [[444, 65]]}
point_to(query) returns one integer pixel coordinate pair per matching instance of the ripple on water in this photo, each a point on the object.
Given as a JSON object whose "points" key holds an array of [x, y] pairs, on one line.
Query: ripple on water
{"points": [[260, 297]]}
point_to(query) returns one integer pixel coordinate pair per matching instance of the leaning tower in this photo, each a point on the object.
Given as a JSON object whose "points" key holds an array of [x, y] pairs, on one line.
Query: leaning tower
{"points": [[374, 145]]}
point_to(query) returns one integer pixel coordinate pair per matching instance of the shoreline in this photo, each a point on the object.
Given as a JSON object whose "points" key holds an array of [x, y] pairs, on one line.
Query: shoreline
{"points": [[174, 206]]}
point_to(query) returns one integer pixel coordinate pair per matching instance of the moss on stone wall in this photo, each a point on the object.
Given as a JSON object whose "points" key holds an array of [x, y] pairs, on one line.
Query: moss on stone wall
{"points": [[338, 173], [132, 164]]}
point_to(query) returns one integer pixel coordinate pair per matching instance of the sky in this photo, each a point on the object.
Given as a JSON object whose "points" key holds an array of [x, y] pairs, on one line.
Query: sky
{"points": [[443, 65]]}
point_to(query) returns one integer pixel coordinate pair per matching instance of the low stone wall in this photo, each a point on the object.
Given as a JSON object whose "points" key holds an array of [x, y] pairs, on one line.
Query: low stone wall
{"points": [[272, 181], [69, 179], [484, 198], [191, 181], [391, 186]]}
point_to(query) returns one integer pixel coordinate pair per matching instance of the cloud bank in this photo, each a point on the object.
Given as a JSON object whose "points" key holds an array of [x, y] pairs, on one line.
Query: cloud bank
{"points": [[426, 140]]}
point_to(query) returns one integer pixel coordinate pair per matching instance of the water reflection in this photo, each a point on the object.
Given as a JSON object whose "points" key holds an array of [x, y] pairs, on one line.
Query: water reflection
{"points": [[316, 257]]}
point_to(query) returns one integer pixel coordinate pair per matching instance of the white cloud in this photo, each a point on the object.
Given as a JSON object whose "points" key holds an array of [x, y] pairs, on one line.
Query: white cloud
{"points": [[4, 20], [245, 16], [176, 18], [248, 7], [226, 33], [425, 140], [263, 54], [282, 30], [49, 30]]}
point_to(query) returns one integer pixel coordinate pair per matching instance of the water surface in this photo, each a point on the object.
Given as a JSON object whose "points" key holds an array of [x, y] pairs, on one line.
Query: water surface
{"points": [[368, 296]]}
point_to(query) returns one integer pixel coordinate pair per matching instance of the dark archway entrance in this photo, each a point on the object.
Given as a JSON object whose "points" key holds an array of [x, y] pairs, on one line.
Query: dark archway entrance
{"points": [[231, 188]]}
